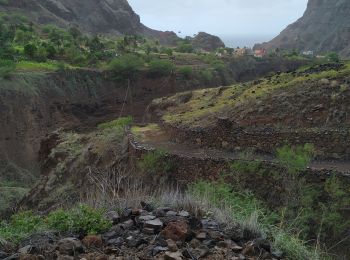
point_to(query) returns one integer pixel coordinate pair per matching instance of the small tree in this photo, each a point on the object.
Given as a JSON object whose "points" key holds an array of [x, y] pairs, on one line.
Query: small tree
{"points": [[333, 57], [185, 72], [294, 160], [127, 66], [30, 50], [159, 68]]}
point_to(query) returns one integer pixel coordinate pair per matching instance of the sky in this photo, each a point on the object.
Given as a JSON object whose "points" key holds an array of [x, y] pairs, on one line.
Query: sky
{"points": [[237, 22]]}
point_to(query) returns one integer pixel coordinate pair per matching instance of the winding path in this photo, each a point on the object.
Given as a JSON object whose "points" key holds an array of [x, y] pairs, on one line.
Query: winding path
{"points": [[156, 138]]}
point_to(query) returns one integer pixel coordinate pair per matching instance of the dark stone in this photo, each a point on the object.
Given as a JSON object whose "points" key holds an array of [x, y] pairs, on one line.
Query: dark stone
{"points": [[146, 206], [126, 214], [161, 241], [109, 235], [70, 246], [209, 243], [277, 253], [113, 216], [116, 242], [158, 249], [262, 243], [3, 255], [13, 257], [136, 242]]}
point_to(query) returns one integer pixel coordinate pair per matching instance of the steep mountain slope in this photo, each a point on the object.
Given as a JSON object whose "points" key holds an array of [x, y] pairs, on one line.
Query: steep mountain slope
{"points": [[324, 27], [93, 16]]}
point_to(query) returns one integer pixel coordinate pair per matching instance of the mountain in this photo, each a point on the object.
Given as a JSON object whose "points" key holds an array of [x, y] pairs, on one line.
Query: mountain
{"points": [[324, 27], [92, 16], [207, 42]]}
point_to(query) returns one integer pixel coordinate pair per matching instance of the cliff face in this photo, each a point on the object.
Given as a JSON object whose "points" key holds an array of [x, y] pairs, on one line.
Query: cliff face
{"points": [[92, 16], [324, 27]]}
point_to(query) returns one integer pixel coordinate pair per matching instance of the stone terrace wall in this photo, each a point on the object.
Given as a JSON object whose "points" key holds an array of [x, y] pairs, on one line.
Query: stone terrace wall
{"points": [[328, 143], [192, 168]]}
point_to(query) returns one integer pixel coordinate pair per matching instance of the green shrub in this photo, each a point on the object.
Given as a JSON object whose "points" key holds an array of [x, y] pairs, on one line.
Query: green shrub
{"points": [[243, 205], [20, 226], [6, 68], [333, 57], [185, 48], [206, 75], [295, 159], [81, 220], [185, 72], [159, 68], [118, 123], [156, 167], [126, 66], [84, 220], [30, 50], [150, 161]]}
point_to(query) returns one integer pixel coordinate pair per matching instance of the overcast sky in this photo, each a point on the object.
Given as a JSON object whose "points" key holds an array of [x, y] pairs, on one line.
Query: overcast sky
{"points": [[230, 19]]}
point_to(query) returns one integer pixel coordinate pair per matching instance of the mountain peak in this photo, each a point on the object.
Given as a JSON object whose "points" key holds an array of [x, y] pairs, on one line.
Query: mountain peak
{"points": [[324, 27], [92, 16]]}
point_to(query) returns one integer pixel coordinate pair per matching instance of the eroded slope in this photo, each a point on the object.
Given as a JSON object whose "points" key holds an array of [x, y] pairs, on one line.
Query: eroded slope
{"points": [[307, 106]]}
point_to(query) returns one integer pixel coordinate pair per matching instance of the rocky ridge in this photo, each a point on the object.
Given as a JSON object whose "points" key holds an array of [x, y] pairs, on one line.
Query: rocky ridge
{"points": [[207, 42], [149, 233], [105, 16], [324, 27]]}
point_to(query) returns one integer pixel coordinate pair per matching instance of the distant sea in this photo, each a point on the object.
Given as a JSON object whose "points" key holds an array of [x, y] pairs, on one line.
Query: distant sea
{"points": [[234, 41]]}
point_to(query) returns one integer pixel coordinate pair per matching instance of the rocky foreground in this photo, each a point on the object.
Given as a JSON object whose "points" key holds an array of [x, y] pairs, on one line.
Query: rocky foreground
{"points": [[149, 233]]}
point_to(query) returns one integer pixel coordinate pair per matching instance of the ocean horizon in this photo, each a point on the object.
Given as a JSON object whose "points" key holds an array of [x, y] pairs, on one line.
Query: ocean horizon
{"points": [[249, 41]]}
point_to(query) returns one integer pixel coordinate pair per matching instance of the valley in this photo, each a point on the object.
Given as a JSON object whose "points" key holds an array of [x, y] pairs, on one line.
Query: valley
{"points": [[122, 142]]}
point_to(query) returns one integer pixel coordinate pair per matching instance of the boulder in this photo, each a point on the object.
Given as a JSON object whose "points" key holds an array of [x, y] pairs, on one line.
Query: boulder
{"points": [[177, 231], [173, 256], [70, 246]]}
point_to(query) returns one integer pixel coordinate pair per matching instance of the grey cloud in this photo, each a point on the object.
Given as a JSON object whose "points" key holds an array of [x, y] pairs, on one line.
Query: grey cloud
{"points": [[221, 17]]}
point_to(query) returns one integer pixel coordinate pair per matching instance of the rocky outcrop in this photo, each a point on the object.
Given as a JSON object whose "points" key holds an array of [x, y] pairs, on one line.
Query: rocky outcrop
{"points": [[324, 27], [92, 16], [152, 233], [207, 42]]}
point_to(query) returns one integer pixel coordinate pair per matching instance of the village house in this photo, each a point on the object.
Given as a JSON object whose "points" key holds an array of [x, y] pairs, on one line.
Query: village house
{"points": [[260, 53], [308, 53], [241, 51]]}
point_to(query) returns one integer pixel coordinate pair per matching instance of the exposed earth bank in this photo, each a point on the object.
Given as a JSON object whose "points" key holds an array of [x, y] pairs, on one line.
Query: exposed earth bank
{"points": [[33, 104]]}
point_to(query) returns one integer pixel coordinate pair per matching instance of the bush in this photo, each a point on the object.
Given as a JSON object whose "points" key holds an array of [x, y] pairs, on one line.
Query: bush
{"points": [[127, 66], [159, 68], [118, 123], [30, 50], [333, 57], [206, 75], [83, 220], [150, 161], [20, 226], [185, 72], [6, 68], [156, 167], [295, 159], [185, 48]]}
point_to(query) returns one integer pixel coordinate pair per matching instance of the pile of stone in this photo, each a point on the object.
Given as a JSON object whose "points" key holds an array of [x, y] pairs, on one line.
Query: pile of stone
{"points": [[147, 233]]}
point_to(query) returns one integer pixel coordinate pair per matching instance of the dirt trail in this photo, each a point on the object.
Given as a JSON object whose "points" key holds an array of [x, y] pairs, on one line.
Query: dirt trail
{"points": [[157, 138]]}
